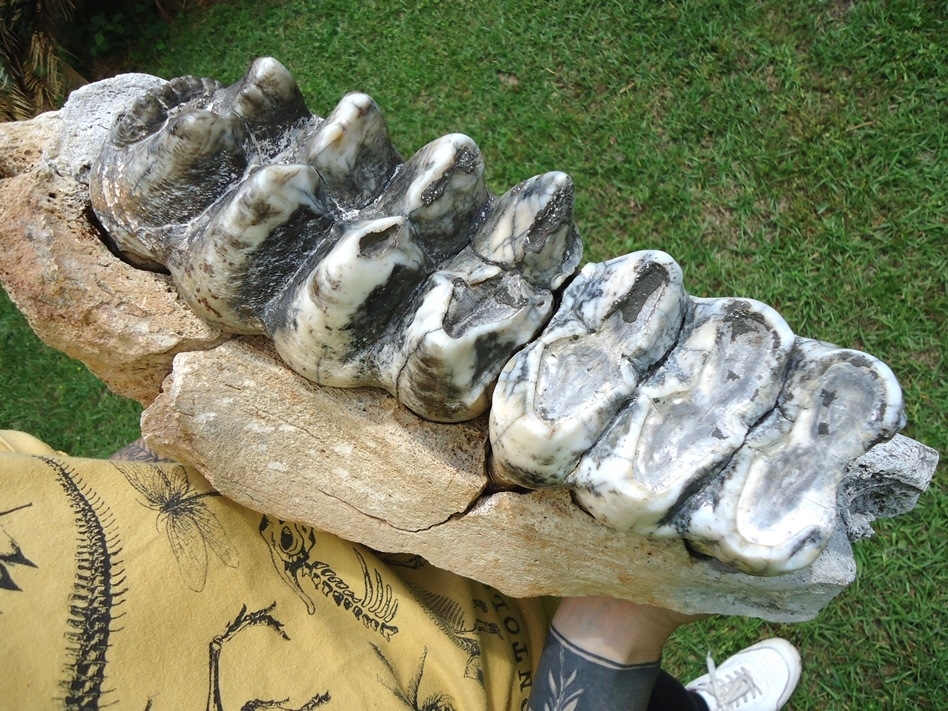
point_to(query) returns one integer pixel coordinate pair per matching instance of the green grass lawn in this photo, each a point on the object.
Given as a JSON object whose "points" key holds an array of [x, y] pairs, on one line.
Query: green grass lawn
{"points": [[796, 153]]}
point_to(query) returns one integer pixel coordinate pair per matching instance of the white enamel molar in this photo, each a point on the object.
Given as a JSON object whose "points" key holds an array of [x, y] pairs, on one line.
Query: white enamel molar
{"points": [[463, 331], [773, 509], [530, 229], [212, 272], [346, 289], [689, 416], [616, 319], [440, 189], [352, 152]]}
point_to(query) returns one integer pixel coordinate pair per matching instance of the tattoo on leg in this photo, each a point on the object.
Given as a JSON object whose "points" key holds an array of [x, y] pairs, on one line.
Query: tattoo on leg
{"points": [[569, 677]]}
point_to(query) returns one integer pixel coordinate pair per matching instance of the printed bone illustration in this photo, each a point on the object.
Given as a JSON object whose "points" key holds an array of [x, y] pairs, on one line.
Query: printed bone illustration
{"points": [[672, 415]]}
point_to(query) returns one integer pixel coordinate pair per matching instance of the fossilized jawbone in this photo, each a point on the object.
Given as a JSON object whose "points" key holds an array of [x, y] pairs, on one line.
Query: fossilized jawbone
{"points": [[706, 419]]}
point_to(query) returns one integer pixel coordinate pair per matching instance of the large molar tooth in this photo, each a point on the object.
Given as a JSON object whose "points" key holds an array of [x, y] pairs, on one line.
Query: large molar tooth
{"points": [[150, 111], [440, 189], [556, 397], [530, 228], [353, 152], [468, 322], [687, 419], [344, 305], [217, 273], [774, 508], [268, 98], [168, 178]]}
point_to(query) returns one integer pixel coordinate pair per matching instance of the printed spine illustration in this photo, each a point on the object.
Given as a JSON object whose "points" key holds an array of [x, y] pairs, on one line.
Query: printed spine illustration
{"points": [[96, 591]]}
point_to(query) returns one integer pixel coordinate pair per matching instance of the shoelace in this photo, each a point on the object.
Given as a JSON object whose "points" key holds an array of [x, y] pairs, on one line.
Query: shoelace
{"points": [[735, 689]]}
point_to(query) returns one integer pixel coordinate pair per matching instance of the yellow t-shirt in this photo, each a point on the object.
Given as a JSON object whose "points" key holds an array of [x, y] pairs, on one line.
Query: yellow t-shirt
{"points": [[136, 585]]}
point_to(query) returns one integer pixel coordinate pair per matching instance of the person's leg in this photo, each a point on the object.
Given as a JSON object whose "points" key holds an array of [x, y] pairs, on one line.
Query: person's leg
{"points": [[603, 654]]}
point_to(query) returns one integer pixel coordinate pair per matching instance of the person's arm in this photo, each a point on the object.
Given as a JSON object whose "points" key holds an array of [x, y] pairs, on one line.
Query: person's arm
{"points": [[602, 654]]}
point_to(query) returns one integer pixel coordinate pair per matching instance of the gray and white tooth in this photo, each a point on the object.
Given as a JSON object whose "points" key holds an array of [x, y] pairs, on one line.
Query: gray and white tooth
{"points": [[342, 308], [689, 416], [268, 98], [558, 395], [530, 229], [150, 111], [167, 178], [470, 318], [352, 151], [774, 507], [440, 190], [245, 254]]}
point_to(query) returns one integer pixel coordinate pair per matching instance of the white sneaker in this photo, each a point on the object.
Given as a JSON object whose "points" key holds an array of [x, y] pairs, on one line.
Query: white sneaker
{"points": [[759, 678]]}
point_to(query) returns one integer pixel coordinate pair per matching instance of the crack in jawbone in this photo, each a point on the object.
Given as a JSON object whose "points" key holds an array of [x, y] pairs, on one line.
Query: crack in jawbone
{"points": [[666, 414]]}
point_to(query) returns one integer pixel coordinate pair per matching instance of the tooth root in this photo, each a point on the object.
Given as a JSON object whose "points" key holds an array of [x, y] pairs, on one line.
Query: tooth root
{"points": [[353, 152], [688, 417], [268, 97], [616, 319], [241, 259], [342, 307], [530, 228], [776, 509], [440, 190]]}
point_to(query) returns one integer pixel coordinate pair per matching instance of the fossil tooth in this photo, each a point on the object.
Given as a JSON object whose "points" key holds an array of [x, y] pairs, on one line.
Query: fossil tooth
{"points": [[150, 111], [688, 417], [352, 152], [617, 319], [487, 302], [347, 301], [772, 510], [440, 189], [530, 229], [248, 250], [268, 98], [166, 178], [467, 323]]}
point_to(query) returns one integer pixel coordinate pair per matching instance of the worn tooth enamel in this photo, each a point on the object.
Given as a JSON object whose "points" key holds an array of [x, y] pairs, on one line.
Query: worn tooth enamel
{"points": [[469, 320], [487, 302], [346, 303], [352, 152], [267, 98], [169, 178], [616, 320], [440, 189], [659, 410], [530, 229], [773, 509], [240, 259], [689, 416], [149, 112]]}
